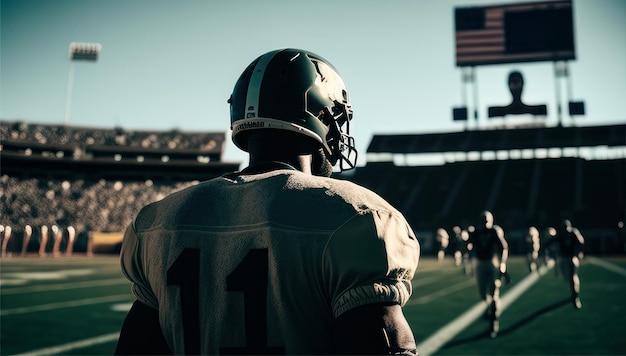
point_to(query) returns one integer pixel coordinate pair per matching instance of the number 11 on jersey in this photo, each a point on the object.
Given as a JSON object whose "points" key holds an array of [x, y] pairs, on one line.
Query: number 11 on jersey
{"points": [[249, 277]]}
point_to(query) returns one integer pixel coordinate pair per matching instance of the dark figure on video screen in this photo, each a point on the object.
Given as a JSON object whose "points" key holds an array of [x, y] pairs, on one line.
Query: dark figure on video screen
{"points": [[277, 258], [517, 107], [570, 244], [491, 252]]}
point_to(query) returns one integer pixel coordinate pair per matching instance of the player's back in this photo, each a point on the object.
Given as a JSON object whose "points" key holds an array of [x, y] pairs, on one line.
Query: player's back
{"points": [[258, 263], [485, 242], [568, 242]]}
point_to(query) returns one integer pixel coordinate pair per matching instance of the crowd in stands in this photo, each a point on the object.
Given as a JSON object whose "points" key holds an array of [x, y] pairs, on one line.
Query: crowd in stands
{"points": [[67, 135], [84, 203], [428, 195], [102, 205]]}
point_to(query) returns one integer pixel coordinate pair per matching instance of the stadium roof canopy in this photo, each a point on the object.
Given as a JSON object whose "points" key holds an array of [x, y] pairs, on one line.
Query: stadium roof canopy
{"points": [[505, 139]]}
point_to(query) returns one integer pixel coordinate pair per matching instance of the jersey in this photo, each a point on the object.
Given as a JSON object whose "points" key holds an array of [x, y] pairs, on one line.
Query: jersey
{"points": [[570, 242], [487, 243], [258, 263]]}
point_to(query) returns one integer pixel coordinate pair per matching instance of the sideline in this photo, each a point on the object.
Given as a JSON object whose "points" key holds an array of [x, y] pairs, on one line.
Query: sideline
{"points": [[446, 333], [59, 350]]}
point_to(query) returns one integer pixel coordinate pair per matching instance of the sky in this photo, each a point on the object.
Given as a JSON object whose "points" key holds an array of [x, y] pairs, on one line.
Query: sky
{"points": [[173, 64]]}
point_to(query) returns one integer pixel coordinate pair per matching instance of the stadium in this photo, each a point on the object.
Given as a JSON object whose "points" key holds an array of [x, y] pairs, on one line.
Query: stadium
{"points": [[50, 177], [68, 191], [95, 180]]}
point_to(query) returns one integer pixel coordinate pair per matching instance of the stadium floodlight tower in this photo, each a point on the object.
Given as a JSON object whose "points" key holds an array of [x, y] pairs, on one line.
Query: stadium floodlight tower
{"points": [[79, 51]]}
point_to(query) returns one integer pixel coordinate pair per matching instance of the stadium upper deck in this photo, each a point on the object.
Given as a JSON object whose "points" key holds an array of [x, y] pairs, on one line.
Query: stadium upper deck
{"points": [[501, 139], [37, 150]]}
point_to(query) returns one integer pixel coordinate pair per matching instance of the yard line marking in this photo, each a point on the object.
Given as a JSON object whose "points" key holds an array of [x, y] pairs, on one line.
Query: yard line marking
{"points": [[445, 291], [437, 268], [121, 307], [446, 333], [60, 286], [607, 265], [49, 275], [424, 281], [74, 303], [449, 331], [57, 350]]}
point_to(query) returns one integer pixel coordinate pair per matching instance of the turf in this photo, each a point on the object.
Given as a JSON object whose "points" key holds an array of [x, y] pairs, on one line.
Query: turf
{"points": [[66, 300]]}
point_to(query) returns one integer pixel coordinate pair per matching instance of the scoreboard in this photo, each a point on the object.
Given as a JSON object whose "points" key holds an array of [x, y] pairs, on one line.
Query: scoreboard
{"points": [[523, 32]]}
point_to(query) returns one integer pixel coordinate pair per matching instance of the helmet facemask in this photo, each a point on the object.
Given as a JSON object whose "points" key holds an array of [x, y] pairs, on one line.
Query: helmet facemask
{"points": [[340, 144]]}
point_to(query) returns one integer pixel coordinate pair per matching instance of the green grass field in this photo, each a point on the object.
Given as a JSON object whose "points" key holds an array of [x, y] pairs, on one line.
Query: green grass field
{"points": [[75, 306]]}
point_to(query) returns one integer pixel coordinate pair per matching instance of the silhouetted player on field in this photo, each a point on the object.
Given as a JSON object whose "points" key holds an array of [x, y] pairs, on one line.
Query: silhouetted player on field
{"points": [[533, 244], [491, 252], [570, 248]]}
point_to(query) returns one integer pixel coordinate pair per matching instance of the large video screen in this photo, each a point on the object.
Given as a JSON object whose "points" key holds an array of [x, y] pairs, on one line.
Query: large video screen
{"points": [[523, 32]]}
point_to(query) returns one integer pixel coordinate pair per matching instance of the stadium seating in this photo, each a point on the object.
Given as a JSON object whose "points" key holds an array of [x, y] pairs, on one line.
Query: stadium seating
{"points": [[97, 179]]}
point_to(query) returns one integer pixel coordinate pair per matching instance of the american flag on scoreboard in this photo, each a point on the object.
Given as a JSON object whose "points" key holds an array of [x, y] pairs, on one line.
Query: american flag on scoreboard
{"points": [[527, 32]]}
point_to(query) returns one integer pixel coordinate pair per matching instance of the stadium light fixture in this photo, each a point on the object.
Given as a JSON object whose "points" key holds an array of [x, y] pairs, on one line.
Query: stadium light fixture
{"points": [[79, 51], [85, 51]]}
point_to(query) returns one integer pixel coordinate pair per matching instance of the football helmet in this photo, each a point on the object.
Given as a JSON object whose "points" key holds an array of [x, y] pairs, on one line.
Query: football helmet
{"points": [[566, 225], [299, 91], [486, 218]]}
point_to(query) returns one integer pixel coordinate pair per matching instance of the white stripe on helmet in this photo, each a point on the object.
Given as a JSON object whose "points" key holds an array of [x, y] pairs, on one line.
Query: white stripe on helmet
{"points": [[254, 87]]}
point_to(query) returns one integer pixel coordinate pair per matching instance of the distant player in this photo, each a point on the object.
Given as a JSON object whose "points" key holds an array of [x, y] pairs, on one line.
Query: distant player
{"points": [[28, 232], [443, 240], [57, 235], [71, 238], [570, 251], [491, 252], [43, 241], [455, 245], [548, 250], [6, 236], [533, 244], [278, 258], [458, 244], [467, 253]]}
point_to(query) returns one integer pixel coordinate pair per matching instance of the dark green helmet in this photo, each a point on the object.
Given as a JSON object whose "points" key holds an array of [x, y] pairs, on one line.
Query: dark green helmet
{"points": [[299, 91]]}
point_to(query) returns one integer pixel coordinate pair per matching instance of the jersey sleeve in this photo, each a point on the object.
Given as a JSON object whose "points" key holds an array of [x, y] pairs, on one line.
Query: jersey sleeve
{"points": [[132, 268], [370, 259]]}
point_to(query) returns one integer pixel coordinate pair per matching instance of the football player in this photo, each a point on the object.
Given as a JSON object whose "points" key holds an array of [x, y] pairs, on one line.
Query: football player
{"points": [[570, 244], [491, 252], [279, 257], [5, 234], [28, 232], [443, 240], [532, 248], [43, 241]]}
